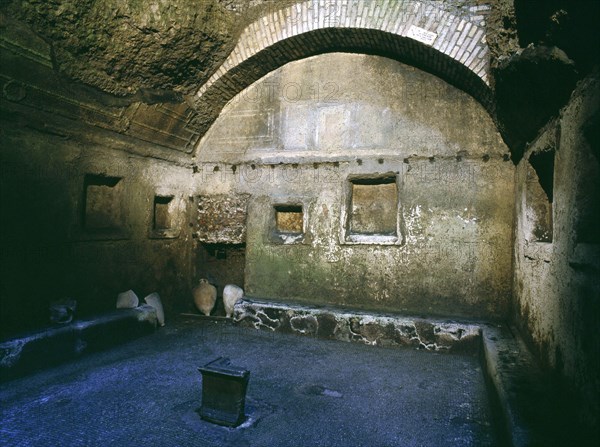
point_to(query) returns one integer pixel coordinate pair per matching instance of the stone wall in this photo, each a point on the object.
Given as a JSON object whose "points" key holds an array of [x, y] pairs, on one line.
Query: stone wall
{"points": [[556, 271], [371, 138], [86, 221]]}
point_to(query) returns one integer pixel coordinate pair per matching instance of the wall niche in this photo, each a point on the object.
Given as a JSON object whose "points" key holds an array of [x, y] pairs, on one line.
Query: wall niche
{"points": [[540, 195], [164, 223], [372, 210], [288, 227], [162, 213], [102, 204], [289, 219]]}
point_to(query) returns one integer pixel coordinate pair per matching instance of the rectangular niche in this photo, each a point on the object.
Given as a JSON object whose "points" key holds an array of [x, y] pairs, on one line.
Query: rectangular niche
{"points": [[539, 196], [102, 210], [372, 210], [164, 217], [162, 213], [289, 219], [288, 223]]}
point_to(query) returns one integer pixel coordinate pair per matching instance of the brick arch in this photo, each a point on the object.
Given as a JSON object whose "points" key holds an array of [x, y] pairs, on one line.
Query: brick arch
{"points": [[448, 45]]}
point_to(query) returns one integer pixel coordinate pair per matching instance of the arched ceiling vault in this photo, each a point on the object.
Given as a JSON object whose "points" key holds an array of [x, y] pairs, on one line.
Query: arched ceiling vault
{"points": [[159, 73], [422, 34]]}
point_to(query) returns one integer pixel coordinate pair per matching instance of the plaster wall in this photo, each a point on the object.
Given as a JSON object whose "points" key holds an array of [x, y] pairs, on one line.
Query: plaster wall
{"points": [[557, 292], [300, 135], [49, 253]]}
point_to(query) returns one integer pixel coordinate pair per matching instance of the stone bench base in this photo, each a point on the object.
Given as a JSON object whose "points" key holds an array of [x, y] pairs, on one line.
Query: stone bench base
{"points": [[379, 330], [53, 345]]}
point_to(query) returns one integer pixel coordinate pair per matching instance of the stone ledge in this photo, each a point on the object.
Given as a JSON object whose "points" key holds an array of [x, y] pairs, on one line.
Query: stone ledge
{"points": [[533, 411], [362, 327], [53, 345]]}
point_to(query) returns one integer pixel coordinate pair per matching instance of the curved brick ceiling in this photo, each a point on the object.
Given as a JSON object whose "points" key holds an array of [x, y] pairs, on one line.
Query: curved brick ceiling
{"points": [[448, 44]]}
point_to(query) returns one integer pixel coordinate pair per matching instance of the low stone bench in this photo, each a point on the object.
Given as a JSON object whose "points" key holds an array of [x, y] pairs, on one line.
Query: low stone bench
{"points": [[372, 329], [533, 409], [50, 346]]}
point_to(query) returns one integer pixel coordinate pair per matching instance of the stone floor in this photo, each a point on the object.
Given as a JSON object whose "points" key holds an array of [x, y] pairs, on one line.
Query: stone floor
{"points": [[302, 392]]}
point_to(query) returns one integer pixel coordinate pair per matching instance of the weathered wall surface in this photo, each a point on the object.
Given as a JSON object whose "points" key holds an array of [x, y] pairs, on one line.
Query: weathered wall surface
{"points": [[124, 47], [68, 230], [309, 134], [557, 292], [87, 211]]}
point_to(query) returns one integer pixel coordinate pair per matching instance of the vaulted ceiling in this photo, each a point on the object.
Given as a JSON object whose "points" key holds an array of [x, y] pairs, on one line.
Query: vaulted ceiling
{"points": [[159, 72]]}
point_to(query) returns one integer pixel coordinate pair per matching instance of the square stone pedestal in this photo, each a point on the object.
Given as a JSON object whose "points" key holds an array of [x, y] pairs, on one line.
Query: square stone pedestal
{"points": [[223, 392]]}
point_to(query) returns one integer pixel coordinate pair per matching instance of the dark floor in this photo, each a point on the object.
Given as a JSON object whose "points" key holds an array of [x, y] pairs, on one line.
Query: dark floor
{"points": [[302, 392]]}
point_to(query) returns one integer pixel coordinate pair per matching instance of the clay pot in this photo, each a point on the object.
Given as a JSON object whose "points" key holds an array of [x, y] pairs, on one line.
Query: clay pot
{"points": [[154, 300], [127, 300], [231, 295], [205, 296]]}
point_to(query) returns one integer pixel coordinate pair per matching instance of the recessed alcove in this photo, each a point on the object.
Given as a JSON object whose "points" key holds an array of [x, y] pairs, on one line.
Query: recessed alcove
{"points": [[540, 195], [102, 210], [165, 218], [374, 206], [221, 263], [287, 223], [372, 203], [289, 219], [162, 215]]}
